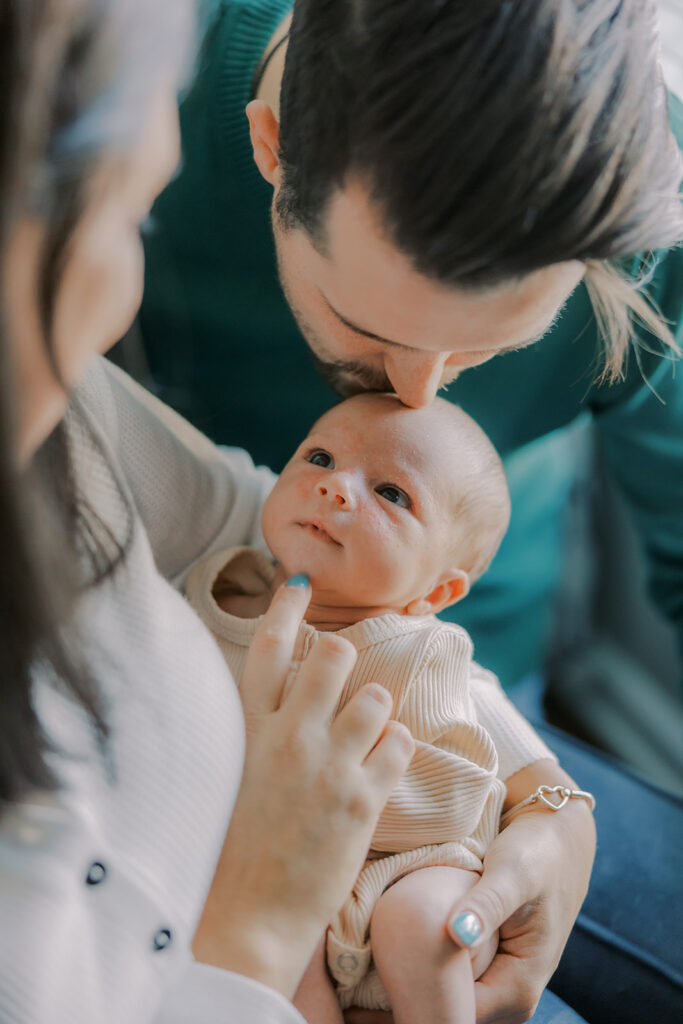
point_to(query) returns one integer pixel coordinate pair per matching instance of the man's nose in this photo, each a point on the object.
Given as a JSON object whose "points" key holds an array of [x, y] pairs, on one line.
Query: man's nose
{"points": [[338, 488], [415, 376]]}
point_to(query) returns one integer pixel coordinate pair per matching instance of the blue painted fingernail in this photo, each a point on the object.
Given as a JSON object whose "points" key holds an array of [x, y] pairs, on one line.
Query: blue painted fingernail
{"points": [[467, 927], [300, 580]]}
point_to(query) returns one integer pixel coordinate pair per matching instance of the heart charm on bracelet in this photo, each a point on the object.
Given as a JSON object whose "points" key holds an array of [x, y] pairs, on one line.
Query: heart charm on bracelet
{"points": [[542, 794], [562, 792]]}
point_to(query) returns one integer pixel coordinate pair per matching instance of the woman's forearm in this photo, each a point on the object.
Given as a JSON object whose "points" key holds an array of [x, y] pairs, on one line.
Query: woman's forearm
{"points": [[544, 772]]}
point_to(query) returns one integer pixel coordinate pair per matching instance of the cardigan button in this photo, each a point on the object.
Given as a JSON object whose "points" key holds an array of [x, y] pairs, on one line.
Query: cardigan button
{"points": [[162, 939], [96, 873]]}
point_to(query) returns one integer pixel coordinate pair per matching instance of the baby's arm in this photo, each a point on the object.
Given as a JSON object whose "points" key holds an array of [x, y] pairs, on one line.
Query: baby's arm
{"points": [[426, 977]]}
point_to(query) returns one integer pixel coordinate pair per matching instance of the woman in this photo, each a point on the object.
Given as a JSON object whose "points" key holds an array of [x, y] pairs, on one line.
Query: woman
{"points": [[122, 739]]}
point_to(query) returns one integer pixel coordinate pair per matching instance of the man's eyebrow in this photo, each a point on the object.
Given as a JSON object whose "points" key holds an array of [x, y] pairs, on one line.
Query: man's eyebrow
{"points": [[396, 344], [537, 337], [359, 330]]}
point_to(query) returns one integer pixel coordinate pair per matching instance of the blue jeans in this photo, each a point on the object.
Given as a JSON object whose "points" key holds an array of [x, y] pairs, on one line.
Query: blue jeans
{"points": [[622, 964], [552, 1010]]}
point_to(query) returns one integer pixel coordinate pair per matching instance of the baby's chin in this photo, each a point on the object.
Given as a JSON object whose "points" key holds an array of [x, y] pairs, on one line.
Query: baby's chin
{"points": [[296, 551], [325, 581]]}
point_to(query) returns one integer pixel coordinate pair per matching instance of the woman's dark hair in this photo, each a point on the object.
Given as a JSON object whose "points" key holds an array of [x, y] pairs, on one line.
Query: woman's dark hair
{"points": [[75, 78], [495, 137]]}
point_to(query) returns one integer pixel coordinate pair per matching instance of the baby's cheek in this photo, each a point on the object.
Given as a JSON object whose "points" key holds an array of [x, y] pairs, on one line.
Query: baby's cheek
{"points": [[381, 554], [302, 488], [269, 518]]}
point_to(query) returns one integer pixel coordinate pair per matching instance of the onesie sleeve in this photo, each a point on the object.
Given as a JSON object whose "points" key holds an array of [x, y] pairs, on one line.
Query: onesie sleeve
{"points": [[451, 782], [516, 743], [193, 497]]}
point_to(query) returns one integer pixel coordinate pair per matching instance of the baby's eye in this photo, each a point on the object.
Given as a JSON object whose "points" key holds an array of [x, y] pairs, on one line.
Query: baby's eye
{"points": [[319, 457], [394, 494]]}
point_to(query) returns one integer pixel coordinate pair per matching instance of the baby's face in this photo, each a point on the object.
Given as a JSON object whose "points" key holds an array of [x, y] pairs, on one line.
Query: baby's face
{"points": [[365, 506]]}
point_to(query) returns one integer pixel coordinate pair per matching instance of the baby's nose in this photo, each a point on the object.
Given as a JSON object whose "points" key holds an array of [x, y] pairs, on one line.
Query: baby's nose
{"points": [[337, 492]]}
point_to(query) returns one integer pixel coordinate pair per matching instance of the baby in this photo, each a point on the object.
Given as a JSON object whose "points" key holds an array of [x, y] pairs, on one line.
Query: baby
{"points": [[392, 513]]}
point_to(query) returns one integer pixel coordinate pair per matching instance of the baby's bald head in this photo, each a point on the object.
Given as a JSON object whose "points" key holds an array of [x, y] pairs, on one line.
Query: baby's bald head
{"points": [[456, 459]]}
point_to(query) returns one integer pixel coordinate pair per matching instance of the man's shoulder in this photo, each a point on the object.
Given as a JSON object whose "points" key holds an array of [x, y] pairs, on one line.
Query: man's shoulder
{"points": [[233, 36], [260, 12]]}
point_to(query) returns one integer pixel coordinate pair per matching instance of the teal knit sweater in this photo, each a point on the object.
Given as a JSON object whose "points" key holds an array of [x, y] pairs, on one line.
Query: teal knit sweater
{"points": [[224, 350]]}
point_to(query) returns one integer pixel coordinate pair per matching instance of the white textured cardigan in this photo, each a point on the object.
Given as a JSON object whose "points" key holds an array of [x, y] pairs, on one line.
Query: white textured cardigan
{"points": [[102, 884]]}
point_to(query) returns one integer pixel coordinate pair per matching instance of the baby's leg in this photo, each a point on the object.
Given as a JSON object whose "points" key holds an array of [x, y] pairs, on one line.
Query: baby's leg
{"points": [[315, 998], [426, 976]]}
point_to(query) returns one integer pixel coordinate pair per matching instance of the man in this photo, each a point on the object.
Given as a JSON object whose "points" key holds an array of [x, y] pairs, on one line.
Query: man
{"points": [[444, 182], [212, 287]]}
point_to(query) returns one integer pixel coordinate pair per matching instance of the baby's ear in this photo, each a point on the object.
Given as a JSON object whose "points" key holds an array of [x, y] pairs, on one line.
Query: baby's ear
{"points": [[454, 585]]}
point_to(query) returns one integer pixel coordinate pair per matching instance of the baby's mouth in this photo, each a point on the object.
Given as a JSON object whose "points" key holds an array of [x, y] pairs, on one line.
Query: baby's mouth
{"points": [[316, 529]]}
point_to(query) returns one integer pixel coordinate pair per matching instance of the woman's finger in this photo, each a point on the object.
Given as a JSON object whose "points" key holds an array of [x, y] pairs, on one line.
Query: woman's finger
{"points": [[319, 682], [496, 896], [389, 757], [272, 648], [509, 989], [518, 894], [360, 723], [363, 730], [508, 992]]}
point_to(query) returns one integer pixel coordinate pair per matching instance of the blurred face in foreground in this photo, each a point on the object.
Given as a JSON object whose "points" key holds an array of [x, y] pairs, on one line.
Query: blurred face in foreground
{"points": [[100, 289]]}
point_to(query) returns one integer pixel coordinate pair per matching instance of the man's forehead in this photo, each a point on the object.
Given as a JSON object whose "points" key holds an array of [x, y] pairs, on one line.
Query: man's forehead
{"points": [[374, 288]]}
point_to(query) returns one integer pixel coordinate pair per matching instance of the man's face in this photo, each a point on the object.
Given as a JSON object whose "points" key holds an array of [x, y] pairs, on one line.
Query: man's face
{"points": [[374, 323]]}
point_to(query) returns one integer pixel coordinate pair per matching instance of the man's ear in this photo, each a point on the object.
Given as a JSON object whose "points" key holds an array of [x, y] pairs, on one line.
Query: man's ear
{"points": [[264, 130], [454, 586]]}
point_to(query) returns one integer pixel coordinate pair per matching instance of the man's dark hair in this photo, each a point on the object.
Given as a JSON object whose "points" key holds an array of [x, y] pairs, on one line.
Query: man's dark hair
{"points": [[494, 137]]}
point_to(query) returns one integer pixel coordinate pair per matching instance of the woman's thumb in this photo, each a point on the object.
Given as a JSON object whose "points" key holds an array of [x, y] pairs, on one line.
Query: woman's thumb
{"points": [[480, 913]]}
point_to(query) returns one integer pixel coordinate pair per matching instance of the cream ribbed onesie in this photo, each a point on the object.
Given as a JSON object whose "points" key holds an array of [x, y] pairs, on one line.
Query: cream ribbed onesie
{"points": [[446, 807]]}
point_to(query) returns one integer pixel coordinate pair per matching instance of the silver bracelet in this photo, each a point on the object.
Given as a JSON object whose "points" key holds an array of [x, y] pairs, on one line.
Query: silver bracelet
{"points": [[543, 794]]}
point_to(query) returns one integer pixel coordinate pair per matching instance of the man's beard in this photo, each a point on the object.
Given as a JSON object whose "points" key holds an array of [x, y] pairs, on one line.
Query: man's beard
{"points": [[349, 378], [346, 377]]}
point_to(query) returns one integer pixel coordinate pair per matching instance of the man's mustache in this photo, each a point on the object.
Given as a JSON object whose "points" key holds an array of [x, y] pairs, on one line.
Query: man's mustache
{"points": [[350, 378]]}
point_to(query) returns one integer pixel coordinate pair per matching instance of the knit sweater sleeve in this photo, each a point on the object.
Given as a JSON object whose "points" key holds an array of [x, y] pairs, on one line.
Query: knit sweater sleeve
{"points": [[212, 996], [192, 497], [88, 940]]}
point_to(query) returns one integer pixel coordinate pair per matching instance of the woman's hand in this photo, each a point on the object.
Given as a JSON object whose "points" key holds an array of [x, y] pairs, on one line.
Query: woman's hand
{"points": [[535, 878], [311, 794]]}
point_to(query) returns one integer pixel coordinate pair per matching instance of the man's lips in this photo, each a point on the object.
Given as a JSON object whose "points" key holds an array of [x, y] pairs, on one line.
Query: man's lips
{"points": [[316, 529]]}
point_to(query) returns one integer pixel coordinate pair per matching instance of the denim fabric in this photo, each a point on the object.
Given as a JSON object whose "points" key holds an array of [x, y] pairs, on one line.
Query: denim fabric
{"points": [[623, 962], [552, 1010]]}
